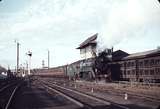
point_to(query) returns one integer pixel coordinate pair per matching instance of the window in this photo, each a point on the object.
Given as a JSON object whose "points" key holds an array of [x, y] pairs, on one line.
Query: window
{"points": [[133, 72], [158, 73], [122, 65], [146, 62], [82, 51], [124, 73], [158, 61], [140, 72], [128, 64], [141, 63], [128, 72], [152, 62], [146, 72], [152, 72]]}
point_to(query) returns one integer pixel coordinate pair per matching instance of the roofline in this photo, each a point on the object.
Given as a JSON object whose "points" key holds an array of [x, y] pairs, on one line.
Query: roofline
{"points": [[85, 43], [85, 46], [143, 55]]}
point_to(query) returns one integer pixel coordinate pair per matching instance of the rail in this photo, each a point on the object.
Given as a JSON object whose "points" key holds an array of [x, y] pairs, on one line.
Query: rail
{"points": [[11, 97], [103, 101], [9, 92]]}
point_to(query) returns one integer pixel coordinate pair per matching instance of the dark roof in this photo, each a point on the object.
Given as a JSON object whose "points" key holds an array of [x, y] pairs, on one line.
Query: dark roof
{"points": [[118, 55], [90, 40], [143, 54]]}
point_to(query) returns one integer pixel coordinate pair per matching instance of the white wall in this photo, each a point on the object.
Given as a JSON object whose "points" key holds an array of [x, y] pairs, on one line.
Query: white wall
{"points": [[87, 52]]}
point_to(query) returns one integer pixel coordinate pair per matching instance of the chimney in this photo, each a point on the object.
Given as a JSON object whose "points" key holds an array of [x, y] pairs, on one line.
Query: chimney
{"points": [[112, 49]]}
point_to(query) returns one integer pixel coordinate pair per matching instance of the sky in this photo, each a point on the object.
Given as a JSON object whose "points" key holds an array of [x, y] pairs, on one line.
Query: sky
{"points": [[61, 25]]}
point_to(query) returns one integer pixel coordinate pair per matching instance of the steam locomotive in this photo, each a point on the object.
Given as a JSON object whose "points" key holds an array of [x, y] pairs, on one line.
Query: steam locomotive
{"points": [[96, 68]]}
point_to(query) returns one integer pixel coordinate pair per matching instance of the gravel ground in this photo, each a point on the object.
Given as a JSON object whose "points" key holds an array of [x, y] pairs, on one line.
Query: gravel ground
{"points": [[36, 97], [154, 92], [116, 94]]}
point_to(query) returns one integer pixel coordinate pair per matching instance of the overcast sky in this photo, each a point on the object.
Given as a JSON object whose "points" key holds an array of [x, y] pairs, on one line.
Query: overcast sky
{"points": [[61, 25]]}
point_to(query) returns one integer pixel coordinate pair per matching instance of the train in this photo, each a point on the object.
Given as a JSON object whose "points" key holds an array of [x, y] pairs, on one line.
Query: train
{"points": [[118, 66], [110, 65]]}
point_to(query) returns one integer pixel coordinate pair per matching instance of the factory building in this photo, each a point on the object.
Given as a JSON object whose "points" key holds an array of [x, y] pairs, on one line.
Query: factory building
{"points": [[143, 66]]}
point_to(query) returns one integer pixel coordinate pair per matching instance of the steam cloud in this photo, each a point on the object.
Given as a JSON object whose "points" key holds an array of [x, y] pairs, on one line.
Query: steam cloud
{"points": [[126, 20]]}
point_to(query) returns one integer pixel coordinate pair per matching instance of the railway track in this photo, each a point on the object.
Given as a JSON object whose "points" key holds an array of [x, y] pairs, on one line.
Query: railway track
{"points": [[133, 94], [143, 96], [7, 93], [12, 95], [121, 93], [3, 83], [85, 101], [5, 87]]}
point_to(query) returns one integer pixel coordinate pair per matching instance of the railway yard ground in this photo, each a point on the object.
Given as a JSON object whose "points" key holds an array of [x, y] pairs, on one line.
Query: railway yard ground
{"points": [[60, 93], [36, 96], [138, 96]]}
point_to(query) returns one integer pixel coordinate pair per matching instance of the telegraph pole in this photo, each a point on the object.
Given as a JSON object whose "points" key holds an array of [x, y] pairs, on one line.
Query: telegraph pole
{"points": [[29, 66], [48, 59], [29, 62], [43, 64], [17, 57]]}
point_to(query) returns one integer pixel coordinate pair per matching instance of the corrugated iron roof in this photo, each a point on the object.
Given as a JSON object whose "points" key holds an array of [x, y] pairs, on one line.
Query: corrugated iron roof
{"points": [[90, 40], [142, 54]]}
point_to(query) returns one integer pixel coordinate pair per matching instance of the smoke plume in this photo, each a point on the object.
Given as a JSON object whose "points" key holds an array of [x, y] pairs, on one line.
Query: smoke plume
{"points": [[126, 20]]}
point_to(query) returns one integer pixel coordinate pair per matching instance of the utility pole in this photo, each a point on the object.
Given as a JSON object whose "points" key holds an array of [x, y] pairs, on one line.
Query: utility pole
{"points": [[17, 57], [48, 59], [29, 62], [29, 67], [43, 64]]}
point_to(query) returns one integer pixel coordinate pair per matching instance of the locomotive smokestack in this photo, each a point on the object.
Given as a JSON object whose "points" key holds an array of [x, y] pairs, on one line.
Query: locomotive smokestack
{"points": [[112, 49]]}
